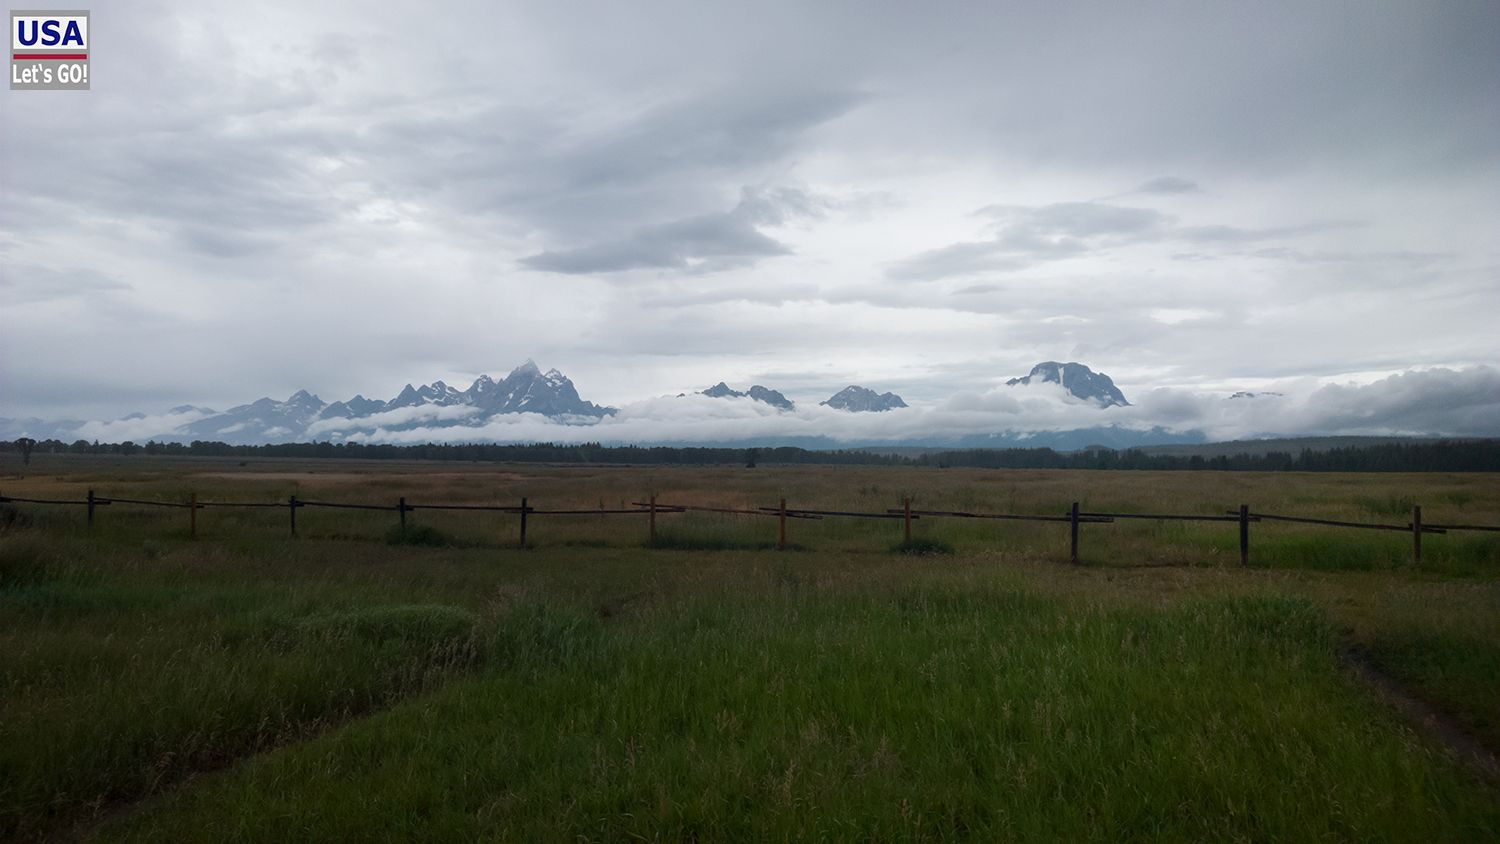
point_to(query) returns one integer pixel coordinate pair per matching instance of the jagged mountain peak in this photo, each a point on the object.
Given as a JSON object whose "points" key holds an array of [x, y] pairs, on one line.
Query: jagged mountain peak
{"points": [[757, 392], [771, 397], [857, 399], [1078, 380], [528, 390]]}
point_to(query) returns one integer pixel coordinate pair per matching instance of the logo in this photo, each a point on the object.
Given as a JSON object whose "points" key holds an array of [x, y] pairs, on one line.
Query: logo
{"points": [[49, 51]]}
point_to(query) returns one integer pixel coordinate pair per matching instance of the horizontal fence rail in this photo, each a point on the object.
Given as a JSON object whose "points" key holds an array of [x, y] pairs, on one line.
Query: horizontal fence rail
{"points": [[1014, 517], [652, 508], [1364, 525]]}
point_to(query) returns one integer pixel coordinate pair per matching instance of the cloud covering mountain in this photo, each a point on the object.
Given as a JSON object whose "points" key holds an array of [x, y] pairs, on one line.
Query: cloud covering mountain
{"points": [[1437, 402]]}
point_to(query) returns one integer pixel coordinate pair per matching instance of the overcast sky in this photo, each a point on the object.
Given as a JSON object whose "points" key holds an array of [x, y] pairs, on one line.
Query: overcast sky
{"points": [[928, 198]]}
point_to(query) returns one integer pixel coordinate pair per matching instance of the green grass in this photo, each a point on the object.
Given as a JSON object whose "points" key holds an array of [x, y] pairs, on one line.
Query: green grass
{"points": [[423, 535], [359, 682], [922, 546], [114, 688], [979, 712], [1459, 673], [689, 539]]}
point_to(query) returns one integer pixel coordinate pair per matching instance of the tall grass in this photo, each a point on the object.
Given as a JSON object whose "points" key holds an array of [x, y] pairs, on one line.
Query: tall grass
{"points": [[111, 689], [709, 687], [879, 714]]}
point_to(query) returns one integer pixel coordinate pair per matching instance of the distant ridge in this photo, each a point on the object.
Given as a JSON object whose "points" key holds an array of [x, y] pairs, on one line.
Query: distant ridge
{"points": [[1291, 445]]}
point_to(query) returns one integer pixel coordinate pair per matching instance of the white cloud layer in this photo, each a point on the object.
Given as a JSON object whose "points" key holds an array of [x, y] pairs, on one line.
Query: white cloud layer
{"points": [[1438, 402]]}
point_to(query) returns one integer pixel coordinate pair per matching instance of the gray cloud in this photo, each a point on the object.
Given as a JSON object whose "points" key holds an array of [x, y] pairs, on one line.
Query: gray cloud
{"points": [[1029, 235], [380, 198], [25, 283], [705, 243], [1078, 219], [1168, 185], [1236, 234], [1025, 236]]}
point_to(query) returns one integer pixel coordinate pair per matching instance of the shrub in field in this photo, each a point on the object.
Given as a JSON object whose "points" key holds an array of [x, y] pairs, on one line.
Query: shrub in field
{"points": [[13, 518], [922, 546], [22, 561], [421, 535]]}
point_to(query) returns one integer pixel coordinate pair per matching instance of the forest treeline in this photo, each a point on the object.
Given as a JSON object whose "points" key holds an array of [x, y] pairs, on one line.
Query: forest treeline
{"points": [[1426, 456]]}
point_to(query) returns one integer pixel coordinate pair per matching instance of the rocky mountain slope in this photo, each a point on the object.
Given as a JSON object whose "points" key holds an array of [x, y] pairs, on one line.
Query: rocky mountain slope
{"points": [[1080, 382], [858, 399]]}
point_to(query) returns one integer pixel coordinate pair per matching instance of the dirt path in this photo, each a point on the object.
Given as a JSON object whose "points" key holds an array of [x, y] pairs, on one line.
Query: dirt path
{"points": [[1425, 717]]}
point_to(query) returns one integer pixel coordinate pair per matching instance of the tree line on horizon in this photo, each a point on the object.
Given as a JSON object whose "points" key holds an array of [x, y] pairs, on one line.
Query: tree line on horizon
{"points": [[1440, 456]]}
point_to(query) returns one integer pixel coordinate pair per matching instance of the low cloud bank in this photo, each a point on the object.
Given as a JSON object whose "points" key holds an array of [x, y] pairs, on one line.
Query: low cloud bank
{"points": [[137, 427], [1438, 402], [424, 414], [1434, 402]]}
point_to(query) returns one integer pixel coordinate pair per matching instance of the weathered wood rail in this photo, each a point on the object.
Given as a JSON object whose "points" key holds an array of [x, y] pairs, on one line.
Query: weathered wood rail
{"points": [[652, 508]]}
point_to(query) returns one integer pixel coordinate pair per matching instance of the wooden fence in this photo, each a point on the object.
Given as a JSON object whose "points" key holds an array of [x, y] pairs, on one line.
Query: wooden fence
{"points": [[651, 508]]}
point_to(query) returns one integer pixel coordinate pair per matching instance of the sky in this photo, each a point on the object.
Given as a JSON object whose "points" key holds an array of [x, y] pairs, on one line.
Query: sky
{"points": [[653, 197]]}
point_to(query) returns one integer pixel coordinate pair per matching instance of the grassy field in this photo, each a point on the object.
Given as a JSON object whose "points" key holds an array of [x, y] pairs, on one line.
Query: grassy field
{"points": [[343, 685]]}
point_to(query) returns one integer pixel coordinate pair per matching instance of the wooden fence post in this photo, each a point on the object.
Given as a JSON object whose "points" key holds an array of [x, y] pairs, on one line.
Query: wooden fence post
{"points": [[91, 508], [524, 508], [193, 515], [1073, 534], [1416, 534], [651, 519], [291, 506], [1244, 534], [781, 534], [401, 508], [906, 518]]}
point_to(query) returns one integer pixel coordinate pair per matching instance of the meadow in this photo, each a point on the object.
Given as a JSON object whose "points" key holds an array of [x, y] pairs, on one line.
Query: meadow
{"points": [[358, 682]]}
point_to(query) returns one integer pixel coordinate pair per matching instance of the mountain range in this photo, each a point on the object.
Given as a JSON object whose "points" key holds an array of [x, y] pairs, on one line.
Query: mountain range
{"points": [[304, 416]]}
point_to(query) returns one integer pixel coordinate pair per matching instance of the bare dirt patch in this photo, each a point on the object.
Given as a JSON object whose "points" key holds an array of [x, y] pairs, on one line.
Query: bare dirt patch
{"points": [[1429, 719]]}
